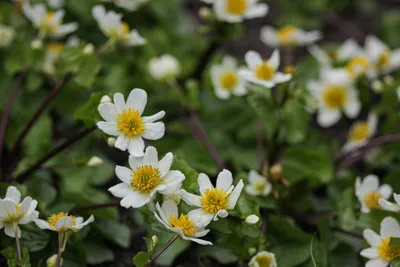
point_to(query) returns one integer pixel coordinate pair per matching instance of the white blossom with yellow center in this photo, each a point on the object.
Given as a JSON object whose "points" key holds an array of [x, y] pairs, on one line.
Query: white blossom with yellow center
{"points": [[369, 192], [214, 201], [165, 67], [14, 212], [361, 131], [51, 57], [111, 25], [186, 226], [47, 22], [263, 72], [6, 35], [263, 259], [386, 205], [125, 120], [63, 222], [381, 58], [288, 36], [226, 79], [334, 93], [130, 5], [145, 177], [258, 185], [380, 254], [234, 11]]}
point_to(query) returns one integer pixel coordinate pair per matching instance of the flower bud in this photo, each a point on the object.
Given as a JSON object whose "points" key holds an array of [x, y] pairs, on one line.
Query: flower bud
{"points": [[276, 172], [164, 68], [252, 219], [37, 44], [105, 99], [111, 142], [89, 49], [94, 161], [51, 262], [377, 86], [205, 12], [388, 79], [176, 197], [154, 238], [252, 251]]}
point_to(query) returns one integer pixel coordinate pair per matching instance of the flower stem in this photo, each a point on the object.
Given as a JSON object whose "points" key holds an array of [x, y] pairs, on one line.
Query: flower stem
{"points": [[105, 46], [154, 257], [61, 237], [17, 241]]}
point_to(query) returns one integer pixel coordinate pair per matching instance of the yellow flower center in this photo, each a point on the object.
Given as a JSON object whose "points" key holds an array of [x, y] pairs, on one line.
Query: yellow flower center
{"points": [[357, 66], [48, 24], [387, 252], [214, 200], [228, 80], [264, 260], [55, 48], [359, 131], [54, 218], [145, 179], [290, 69], [384, 59], [259, 187], [183, 222], [130, 123], [236, 7], [285, 35], [335, 96], [125, 28], [372, 200], [265, 71]]}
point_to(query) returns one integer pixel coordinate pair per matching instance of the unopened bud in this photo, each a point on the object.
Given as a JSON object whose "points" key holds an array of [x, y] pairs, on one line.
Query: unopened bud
{"points": [[51, 262], [176, 197], [89, 49], [252, 251], [205, 12], [111, 142], [154, 238], [105, 99], [252, 219], [377, 86], [94, 161], [276, 172], [37, 44]]}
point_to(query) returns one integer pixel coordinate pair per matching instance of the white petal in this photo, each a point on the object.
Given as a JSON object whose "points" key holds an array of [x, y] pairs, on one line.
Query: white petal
{"points": [[137, 99], [154, 117], [169, 208], [221, 213], [377, 263], [135, 162], [165, 164], [372, 238], [151, 157], [251, 191], [280, 77], [390, 227], [369, 253], [369, 184], [122, 142], [234, 196], [25, 206], [327, 117], [255, 177], [222, 93], [352, 108], [385, 190], [200, 217], [42, 224], [386, 205], [348, 49], [13, 194], [396, 198], [202, 233], [124, 174], [204, 182], [153, 130], [136, 146], [120, 190], [257, 10], [190, 199], [10, 231], [108, 111], [224, 180], [253, 59], [119, 102], [269, 36], [64, 224], [267, 189], [274, 60], [135, 200], [81, 225], [199, 241], [109, 127], [66, 29]]}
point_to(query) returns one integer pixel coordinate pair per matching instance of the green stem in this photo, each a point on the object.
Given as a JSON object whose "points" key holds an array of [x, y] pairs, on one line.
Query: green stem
{"points": [[61, 237], [170, 242], [17, 241], [105, 46]]}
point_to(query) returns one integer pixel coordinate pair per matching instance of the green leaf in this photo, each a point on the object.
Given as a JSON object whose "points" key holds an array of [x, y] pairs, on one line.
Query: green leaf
{"points": [[88, 113], [141, 258], [290, 254], [190, 183], [8, 253], [346, 215], [25, 261], [34, 238], [395, 242], [114, 231], [168, 256], [285, 229], [38, 141], [88, 70], [295, 121], [97, 253], [222, 255]]}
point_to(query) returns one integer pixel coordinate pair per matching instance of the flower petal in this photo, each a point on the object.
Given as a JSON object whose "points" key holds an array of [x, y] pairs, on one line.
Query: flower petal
{"points": [[135, 200], [13, 194], [274, 60], [377, 263], [191, 199], [224, 180], [109, 127], [124, 174], [135, 146], [42, 224], [137, 99], [327, 118], [119, 102], [253, 59], [234, 196], [64, 224], [199, 241], [390, 227], [122, 142], [372, 238], [169, 208], [154, 117], [385, 190], [120, 190], [9, 230], [165, 164], [135, 162], [151, 157], [108, 111], [153, 130], [204, 182], [369, 253], [386, 205]]}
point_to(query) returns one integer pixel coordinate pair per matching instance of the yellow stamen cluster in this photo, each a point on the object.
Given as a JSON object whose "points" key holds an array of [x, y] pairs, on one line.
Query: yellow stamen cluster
{"points": [[48, 24], [236, 7], [183, 222], [55, 48], [214, 200], [387, 252], [265, 71], [125, 28], [264, 260], [371, 200], [130, 123], [259, 187], [335, 97], [384, 59], [286, 35], [228, 80], [357, 66], [54, 218], [359, 131], [145, 179]]}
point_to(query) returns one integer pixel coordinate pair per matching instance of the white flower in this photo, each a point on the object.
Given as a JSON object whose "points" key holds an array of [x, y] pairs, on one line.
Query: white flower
{"points": [[252, 219], [125, 120], [361, 131], [263, 259], [380, 254], [14, 212], [165, 67], [56, 3], [176, 196], [288, 36], [381, 58], [386, 205], [258, 185], [234, 11], [94, 162], [226, 79], [130, 5], [111, 25], [6, 35], [213, 202], [145, 177], [52, 54], [263, 72], [369, 192], [37, 44], [334, 93], [62, 222], [49, 23], [184, 225]]}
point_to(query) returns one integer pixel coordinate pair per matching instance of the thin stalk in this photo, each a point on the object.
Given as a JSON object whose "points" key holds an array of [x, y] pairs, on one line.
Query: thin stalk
{"points": [[260, 146], [61, 237], [17, 241], [154, 257], [105, 47]]}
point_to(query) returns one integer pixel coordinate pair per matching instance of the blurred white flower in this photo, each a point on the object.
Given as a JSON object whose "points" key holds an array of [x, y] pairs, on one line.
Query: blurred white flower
{"points": [[185, 226], [94, 162], [88, 49], [252, 251], [52, 54], [252, 219], [177, 196], [234, 11], [111, 25], [263, 259], [62, 222], [263, 72], [386, 205], [214, 201], [47, 22], [73, 41], [361, 132], [130, 5], [380, 254], [145, 177], [258, 185], [226, 79], [369, 192], [105, 99], [288, 36], [6, 35], [125, 120], [37, 44], [377, 86], [55, 4], [335, 93], [14, 212], [164, 67]]}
